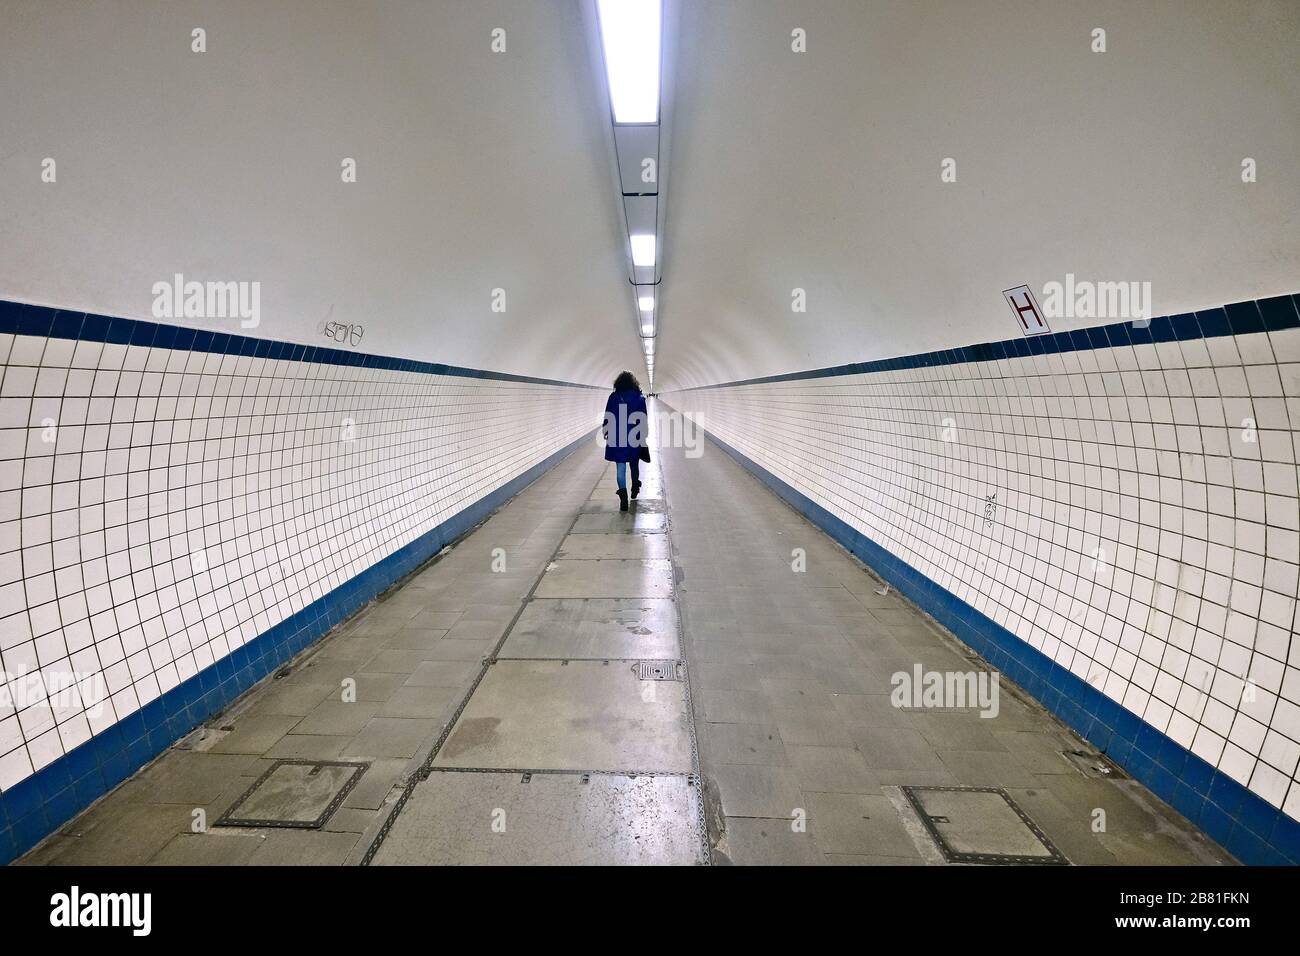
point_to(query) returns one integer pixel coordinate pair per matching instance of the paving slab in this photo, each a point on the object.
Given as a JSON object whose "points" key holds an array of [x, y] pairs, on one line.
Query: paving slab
{"points": [[115, 832], [254, 733], [754, 790], [584, 715], [831, 770], [573, 628], [389, 737], [303, 848], [475, 818], [766, 842], [642, 547], [209, 849], [858, 823], [337, 718], [628, 522], [607, 578], [186, 777], [420, 701]]}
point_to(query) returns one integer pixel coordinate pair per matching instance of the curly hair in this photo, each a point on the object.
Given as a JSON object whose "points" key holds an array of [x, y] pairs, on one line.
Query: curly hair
{"points": [[626, 382]]}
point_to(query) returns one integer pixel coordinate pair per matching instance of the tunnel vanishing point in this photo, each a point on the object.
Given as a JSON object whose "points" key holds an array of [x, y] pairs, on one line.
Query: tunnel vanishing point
{"points": [[960, 529]]}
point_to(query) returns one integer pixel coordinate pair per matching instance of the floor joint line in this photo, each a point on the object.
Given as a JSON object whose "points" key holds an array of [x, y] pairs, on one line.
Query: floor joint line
{"points": [[422, 773]]}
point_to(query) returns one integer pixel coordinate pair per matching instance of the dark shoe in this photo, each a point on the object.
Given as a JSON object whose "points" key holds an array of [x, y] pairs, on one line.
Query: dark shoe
{"points": [[622, 499], [636, 487]]}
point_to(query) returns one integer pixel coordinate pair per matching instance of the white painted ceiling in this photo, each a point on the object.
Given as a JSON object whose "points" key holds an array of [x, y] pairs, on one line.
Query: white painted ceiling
{"points": [[476, 171], [817, 170], [821, 170]]}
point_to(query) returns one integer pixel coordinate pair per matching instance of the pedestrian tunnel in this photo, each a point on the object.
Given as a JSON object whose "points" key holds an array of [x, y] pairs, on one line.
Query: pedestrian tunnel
{"points": [[962, 527]]}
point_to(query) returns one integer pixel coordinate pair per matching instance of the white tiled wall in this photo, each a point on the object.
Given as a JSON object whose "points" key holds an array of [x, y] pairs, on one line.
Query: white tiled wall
{"points": [[1145, 527], [159, 508]]}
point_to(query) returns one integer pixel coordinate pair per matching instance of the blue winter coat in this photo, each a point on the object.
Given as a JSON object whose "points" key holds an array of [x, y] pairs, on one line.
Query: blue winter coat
{"points": [[625, 426]]}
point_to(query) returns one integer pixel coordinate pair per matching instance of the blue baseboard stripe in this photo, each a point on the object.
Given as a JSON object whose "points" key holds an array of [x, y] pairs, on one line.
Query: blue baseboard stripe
{"points": [[1274, 314], [41, 803], [18, 318], [1250, 828]]}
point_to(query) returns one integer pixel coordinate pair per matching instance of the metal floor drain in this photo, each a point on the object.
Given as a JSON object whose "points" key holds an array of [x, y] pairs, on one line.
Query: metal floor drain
{"points": [[299, 794], [981, 825], [203, 739], [659, 670]]}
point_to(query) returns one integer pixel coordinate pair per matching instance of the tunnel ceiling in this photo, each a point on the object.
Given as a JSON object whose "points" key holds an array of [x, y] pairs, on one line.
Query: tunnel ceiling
{"points": [[816, 171], [821, 170], [476, 171]]}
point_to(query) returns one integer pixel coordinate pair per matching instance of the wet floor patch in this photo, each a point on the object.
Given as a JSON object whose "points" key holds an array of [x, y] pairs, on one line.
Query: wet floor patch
{"points": [[524, 818], [607, 578], [641, 547], [604, 628], [620, 522], [573, 715], [608, 503]]}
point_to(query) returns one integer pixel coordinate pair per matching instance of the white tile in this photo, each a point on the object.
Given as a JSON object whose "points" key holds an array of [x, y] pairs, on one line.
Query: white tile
{"points": [[1180, 460], [110, 518]]}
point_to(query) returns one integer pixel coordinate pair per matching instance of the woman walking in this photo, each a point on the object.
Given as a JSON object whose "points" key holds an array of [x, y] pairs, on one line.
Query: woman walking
{"points": [[625, 426]]}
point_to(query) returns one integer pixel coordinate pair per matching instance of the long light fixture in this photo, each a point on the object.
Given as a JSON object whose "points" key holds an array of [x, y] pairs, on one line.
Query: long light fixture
{"points": [[631, 52], [629, 32], [643, 249]]}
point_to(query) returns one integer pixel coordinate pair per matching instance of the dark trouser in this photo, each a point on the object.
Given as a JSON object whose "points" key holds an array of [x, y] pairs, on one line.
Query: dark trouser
{"points": [[620, 472]]}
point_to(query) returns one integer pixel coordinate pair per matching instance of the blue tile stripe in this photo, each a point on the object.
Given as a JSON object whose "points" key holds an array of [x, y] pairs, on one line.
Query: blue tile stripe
{"points": [[1240, 318], [1249, 827], [17, 318], [41, 803]]}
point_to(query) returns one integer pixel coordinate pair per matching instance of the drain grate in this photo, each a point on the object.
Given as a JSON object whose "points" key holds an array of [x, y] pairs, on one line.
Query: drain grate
{"points": [[659, 670], [981, 825], [300, 794]]}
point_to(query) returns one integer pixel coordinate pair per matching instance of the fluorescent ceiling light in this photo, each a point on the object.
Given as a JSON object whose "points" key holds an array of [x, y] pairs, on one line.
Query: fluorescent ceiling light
{"points": [[629, 33], [643, 249], [646, 302]]}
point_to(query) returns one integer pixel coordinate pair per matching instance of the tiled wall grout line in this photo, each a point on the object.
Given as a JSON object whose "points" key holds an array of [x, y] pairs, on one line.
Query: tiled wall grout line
{"points": [[193, 508], [1198, 526]]}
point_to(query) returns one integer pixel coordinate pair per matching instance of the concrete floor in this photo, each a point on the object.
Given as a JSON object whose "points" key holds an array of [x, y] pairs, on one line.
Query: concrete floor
{"points": [[500, 714]]}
